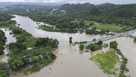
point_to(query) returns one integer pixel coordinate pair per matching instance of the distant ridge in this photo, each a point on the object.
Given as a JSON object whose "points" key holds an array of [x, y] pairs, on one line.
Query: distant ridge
{"points": [[29, 3]]}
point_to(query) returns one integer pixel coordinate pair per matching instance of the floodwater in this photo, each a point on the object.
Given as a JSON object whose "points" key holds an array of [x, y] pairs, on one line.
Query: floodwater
{"points": [[9, 39], [70, 62], [128, 48]]}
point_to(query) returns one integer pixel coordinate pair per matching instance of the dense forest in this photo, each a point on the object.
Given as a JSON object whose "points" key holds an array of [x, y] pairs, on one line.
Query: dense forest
{"points": [[72, 17], [30, 54]]}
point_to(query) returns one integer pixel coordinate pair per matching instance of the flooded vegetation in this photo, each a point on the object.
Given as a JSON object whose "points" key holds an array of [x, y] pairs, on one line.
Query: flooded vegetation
{"points": [[107, 61], [67, 40], [68, 57], [68, 54], [30, 54]]}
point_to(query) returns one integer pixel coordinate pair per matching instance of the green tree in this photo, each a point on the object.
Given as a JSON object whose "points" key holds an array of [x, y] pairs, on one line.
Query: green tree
{"points": [[81, 47], [114, 45], [2, 42]]}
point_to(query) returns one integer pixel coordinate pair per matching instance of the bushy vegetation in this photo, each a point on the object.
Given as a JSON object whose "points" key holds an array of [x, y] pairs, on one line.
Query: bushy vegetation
{"points": [[114, 45], [2, 42], [4, 70], [66, 24], [81, 47], [124, 61], [29, 53], [5, 16], [123, 67], [95, 46], [7, 24]]}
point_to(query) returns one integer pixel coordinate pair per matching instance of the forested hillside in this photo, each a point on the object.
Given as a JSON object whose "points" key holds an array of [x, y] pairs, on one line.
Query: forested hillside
{"points": [[72, 17], [64, 16]]}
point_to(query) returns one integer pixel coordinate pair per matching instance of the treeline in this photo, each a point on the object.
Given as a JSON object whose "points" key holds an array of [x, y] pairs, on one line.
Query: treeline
{"points": [[2, 42], [5, 16], [105, 13]]}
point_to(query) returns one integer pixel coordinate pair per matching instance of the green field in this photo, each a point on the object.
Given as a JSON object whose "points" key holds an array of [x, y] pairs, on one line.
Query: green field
{"points": [[107, 61], [105, 27], [109, 27]]}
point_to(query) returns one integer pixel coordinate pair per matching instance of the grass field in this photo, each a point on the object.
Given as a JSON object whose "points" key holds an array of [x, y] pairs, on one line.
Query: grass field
{"points": [[107, 61], [105, 27], [108, 27]]}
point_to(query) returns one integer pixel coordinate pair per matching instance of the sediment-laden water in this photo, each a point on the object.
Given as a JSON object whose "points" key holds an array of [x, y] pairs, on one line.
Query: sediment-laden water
{"points": [[70, 62]]}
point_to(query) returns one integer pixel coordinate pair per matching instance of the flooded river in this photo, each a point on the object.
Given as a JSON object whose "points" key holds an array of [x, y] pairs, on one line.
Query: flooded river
{"points": [[128, 48], [70, 62], [9, 39]]}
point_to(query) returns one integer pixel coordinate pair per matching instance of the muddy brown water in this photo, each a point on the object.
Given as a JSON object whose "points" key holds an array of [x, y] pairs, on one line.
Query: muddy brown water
{"points": [[70, 62]]}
